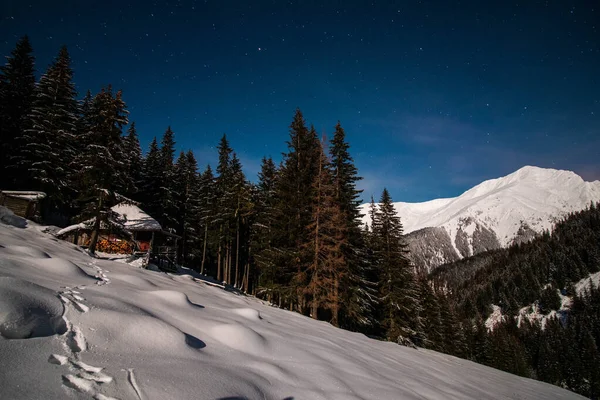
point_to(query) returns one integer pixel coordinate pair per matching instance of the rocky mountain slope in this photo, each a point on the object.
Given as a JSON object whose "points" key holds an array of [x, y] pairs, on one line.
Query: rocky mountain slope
{"points": [[493, 214]]}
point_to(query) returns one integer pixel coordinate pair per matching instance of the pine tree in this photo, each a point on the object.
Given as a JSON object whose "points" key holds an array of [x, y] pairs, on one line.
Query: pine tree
{"points": [[241, 206], [359, 299], [397, 286], [433, 335], [102, 163], [101, 167], [549, 365], [243, 215], [17, 86], [83, 127], [151, 180], [225, 209], [454, 341], [84, 121], [187, 182], [372, 259], [49, 142], [167, 211], [327, 267], [207, 208], [295, 197], [133, 155], [263, 231]]}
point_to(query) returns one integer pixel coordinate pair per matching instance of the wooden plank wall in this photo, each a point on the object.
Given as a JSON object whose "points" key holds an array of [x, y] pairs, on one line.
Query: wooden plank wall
{"points": [[19, 206]]}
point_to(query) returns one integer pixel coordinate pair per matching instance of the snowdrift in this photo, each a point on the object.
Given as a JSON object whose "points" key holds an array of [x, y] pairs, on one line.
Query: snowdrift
{"points": [[72, 326]]}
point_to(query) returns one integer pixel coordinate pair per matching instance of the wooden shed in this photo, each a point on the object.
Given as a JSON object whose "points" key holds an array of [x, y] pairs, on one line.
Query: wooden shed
{"points": [[132, 231], [22, 203]]}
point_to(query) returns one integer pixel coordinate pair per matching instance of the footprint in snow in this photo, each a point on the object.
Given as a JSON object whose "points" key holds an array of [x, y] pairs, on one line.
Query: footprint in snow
{"points": [[73, 297], [101, 276], [84, 378]]}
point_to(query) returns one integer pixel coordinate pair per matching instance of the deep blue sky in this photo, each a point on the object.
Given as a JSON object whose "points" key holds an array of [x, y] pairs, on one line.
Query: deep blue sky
{"points": [[434, 97]]}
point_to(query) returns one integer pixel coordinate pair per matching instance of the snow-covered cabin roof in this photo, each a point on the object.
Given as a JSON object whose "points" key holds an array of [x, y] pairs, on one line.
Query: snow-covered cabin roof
{"points": [[136, 219], [25, 195], [131, 218]]}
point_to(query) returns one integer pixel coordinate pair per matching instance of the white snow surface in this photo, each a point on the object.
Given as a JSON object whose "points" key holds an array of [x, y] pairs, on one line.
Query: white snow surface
{"points": [[495, 318], [9, 218], [136, 219], [584, 284], [150, 335], [533, 195], [27, 195], [133, 219]]}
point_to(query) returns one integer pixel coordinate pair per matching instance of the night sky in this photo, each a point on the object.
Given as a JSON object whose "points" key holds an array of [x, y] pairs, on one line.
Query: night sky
{"points": [[434, 97]]}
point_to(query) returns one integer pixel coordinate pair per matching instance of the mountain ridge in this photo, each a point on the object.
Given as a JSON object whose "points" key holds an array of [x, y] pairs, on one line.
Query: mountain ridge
{"points": [[495, 213]]}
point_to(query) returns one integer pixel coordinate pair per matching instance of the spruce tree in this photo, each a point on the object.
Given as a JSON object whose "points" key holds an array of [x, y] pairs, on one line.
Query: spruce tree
{"points": [[398, 291], [433, 334], [48, 149], [263, 231], [84, 120], [327, 266], [187, 183], [295, 198], [223, 217], [167, 211], [103, 162], [358, 301], [454, 341], [17, 87], [101, 167], [207, 208], [151, 180], [243, 214], [133, 155]]}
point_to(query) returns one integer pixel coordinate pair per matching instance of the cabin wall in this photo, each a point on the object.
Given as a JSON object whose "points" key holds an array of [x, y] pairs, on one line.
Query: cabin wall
{"points": [[20, 207]]}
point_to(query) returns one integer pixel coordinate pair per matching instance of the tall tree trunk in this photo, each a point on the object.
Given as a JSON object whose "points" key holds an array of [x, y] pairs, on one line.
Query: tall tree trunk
{"points": [[97, 224], [314, 308], [228, 263], [245, 279], [204, 248], [248, 272], [219, 277], [237, 251], [315, 303], [336, 303]]}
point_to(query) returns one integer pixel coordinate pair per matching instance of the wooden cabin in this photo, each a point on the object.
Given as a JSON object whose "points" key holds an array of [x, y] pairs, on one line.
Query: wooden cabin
{"points": [[22, 203], [133, 231]]}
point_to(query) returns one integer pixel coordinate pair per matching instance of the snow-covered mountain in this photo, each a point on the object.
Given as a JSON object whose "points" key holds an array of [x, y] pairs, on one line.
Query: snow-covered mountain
{"points": [[77, 327], [493, 214]]}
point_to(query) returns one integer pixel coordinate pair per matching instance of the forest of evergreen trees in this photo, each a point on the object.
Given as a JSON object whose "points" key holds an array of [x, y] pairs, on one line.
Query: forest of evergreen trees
{"points": [[565, 352], [294, 237]]}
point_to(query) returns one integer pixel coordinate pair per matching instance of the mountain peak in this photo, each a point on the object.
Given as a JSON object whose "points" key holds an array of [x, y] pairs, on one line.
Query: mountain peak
{"points": [[529, 171], [503, 210]]}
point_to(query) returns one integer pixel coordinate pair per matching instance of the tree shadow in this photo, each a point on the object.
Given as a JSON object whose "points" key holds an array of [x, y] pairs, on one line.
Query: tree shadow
{"points": [[196, 304], [193, 341]]}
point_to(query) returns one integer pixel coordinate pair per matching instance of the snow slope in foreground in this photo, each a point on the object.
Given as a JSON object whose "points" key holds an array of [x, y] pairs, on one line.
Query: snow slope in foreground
{"points": [[78, 327]]}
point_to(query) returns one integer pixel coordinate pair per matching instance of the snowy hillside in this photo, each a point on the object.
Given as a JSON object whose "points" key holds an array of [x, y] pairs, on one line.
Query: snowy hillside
{"points": [[495, 213], [533, 313], [76, 327]]}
